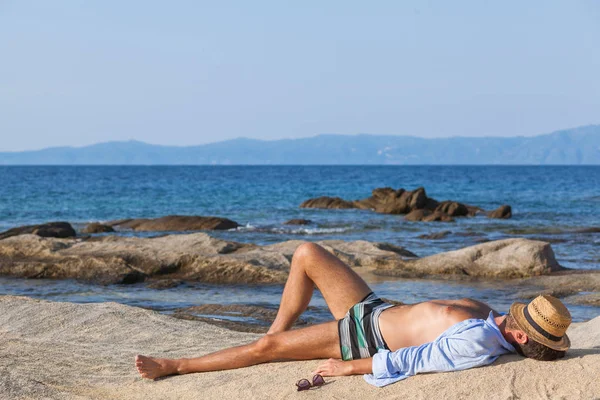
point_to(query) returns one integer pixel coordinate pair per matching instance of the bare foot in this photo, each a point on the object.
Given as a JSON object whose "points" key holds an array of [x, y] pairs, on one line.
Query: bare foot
{"points": [[152, 368]]}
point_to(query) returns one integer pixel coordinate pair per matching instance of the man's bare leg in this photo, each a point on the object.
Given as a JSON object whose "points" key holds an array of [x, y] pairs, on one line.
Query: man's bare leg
{"points": [[338, 283], [311, 265], [313, 342]]}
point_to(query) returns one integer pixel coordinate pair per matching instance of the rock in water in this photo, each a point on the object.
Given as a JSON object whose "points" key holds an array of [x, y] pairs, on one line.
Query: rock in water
{"points": [[298, 221], [96, 227], [453, 209], [428, 216], [183, 257], [176, 223], [390, 201], [50, 229], [435, 235], [509, 258], [502, 212], [327, 202]]}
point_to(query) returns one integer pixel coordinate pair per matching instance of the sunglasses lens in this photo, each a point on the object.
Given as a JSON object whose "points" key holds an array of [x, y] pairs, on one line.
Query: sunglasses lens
{"points": [[318, 380], [303, 384]]}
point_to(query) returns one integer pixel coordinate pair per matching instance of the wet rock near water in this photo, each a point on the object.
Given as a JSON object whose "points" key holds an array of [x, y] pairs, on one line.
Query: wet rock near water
{"points": [[175, 223], [169, 261], [436, 235], [96, 227], [185, 257], [298, 221], [428, 216], [502, 212], [415, 204], [327, 202], [509, 258], [50, 229]]}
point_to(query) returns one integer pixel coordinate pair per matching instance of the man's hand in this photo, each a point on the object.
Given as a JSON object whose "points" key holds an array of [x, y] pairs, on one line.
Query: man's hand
{"points": [[333, 367]]}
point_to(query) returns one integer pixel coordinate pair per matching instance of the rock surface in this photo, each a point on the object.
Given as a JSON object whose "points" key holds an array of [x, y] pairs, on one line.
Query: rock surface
{"points": [[428, 216], [435, 235], [175, 223], [502, 212], [96, 227], [327, 202], [50, 229], [415, 203], [298, 221], [188, 257], [86, 351], [509, 258]]}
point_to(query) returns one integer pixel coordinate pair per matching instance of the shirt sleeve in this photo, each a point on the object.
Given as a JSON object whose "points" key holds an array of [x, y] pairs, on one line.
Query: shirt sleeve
{"points": [[468, 349]]}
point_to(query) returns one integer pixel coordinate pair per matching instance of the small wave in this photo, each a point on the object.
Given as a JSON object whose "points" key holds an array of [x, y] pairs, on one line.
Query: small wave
{"points": [[312, 231], [293, 231], [247, 227]]}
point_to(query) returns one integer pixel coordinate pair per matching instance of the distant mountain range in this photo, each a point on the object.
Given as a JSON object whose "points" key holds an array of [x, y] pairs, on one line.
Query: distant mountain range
{"points": [[573, 146]]}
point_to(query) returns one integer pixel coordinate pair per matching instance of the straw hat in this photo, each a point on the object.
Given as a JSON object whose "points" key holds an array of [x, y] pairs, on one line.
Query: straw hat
{"points": [[545, 319]]}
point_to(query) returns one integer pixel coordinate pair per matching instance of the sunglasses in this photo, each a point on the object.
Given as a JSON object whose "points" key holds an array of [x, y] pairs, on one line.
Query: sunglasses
{"points": [[304, 384]]}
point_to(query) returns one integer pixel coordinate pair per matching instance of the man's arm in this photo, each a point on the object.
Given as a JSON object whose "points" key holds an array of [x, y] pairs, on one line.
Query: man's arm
{"points": [[333, 367]]}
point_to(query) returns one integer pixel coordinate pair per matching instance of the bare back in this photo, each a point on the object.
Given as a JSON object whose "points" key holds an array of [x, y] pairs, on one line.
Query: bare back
{"points": [[416, 324]]}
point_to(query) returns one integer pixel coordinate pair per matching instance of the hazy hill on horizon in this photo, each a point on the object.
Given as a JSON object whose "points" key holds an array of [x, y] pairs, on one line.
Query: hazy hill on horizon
{"points": [[575, 146]]}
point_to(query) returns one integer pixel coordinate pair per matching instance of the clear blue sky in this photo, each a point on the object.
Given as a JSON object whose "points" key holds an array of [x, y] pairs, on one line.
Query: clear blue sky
{"points": [[192, 72]]}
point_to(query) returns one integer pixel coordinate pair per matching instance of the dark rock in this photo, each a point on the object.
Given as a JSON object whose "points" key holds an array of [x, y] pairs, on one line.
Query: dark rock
{"points": [[175, 223], [164, 284], [453, 209], [50, 229], [96, 227], [435, 235], [588, 230], [428, 216], [298, 221], [389, 201], [502, 212], [327, 202]]}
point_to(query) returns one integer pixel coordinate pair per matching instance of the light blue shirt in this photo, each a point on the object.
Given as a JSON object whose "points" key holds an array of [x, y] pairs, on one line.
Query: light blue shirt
{"points": [[467, 344]]}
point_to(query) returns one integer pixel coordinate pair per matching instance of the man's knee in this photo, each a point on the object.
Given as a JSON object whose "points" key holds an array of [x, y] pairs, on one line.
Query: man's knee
{"points": [[266, 347], [307, 250]]}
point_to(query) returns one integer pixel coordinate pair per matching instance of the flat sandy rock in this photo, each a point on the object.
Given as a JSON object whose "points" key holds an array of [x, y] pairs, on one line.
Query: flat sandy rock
{"points": [[187, 257], [509, 258], [74, 351]]}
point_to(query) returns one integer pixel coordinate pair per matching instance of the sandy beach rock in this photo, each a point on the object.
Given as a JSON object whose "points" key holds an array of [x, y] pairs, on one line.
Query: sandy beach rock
{"points": [[189, 257], [509, 258], [50, 229], [175, 223], [96, 227], [73, 351]]}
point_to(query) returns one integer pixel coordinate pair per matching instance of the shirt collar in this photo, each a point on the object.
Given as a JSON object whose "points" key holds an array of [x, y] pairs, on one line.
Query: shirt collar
{"points": [[492, 323]]}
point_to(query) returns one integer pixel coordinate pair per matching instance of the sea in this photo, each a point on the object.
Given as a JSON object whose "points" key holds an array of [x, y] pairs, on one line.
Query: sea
{"points": [[558, 204]]}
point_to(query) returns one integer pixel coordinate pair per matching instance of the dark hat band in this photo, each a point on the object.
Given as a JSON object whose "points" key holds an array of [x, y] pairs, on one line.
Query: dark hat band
{"points": [[538, 328]]}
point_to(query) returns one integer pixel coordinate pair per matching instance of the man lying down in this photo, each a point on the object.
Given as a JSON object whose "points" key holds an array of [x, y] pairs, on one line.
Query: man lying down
{"points": [[385, 342]]}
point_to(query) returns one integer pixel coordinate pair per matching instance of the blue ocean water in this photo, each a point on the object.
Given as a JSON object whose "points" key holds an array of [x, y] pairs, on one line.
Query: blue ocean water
{"points": [[552, 203]]}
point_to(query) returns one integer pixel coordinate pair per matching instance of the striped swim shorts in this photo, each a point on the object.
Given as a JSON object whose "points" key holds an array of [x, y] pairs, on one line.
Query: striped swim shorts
{"points": [[360, 336]]}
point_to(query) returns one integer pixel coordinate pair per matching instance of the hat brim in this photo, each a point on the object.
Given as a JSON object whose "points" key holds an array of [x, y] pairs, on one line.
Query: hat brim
{"points": [[517, 311]]}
